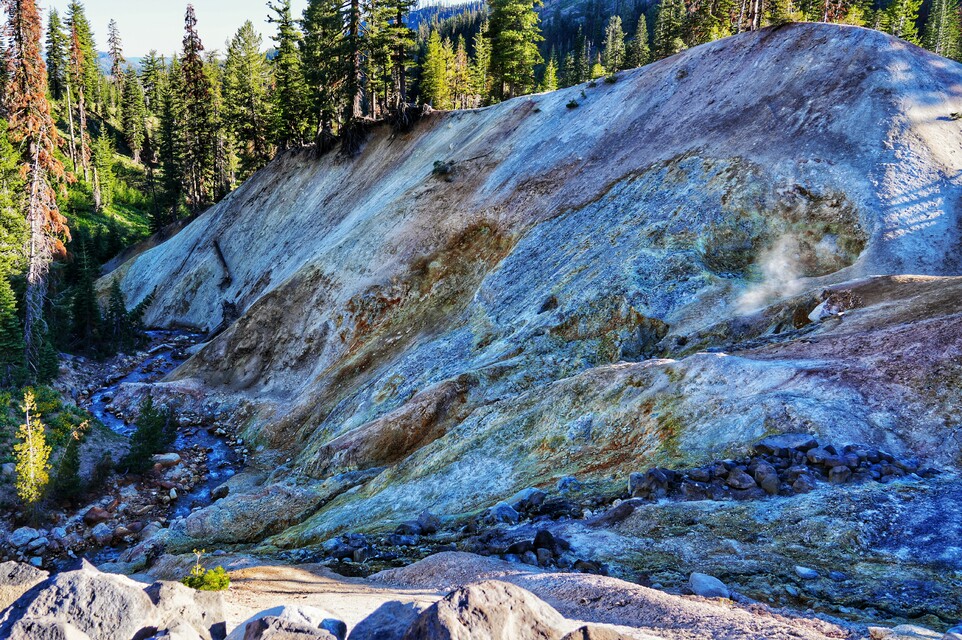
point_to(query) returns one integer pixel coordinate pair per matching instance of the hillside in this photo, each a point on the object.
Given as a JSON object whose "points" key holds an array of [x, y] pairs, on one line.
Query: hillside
{"points": [[590, 282]]}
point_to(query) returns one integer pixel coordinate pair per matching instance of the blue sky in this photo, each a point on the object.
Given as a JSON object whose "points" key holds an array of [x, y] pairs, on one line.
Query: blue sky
{"points": [[159, 24]]}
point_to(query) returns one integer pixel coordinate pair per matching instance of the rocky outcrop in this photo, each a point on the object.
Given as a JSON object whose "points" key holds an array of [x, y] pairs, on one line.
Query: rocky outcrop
{"points": [[635, 291]]}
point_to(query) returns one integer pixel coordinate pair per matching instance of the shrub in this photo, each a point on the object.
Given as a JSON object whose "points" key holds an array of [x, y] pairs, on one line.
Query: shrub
{"points": [[572, 104], [613, 78], [202, 579], [156, 431]]}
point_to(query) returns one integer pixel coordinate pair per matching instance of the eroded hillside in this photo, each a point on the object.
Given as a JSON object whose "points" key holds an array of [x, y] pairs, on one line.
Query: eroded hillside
{"points": [[591, 282]]}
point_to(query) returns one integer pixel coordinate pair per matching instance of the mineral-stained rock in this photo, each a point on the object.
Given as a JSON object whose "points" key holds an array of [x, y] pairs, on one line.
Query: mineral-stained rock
{"points": [[488, 610], [707, 586]]}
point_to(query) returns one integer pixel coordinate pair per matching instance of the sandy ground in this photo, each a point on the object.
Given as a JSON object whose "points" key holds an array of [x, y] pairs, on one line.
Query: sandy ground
{"points": [[635, 611]]}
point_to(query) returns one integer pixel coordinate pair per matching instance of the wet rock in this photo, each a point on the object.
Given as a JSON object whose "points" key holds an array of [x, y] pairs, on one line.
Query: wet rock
{"points": [[738, 479], [490, 609], [706, 586], [22, 537], [388, 622], [777, 445], [805, 573], [96, 515], [167, 460]]}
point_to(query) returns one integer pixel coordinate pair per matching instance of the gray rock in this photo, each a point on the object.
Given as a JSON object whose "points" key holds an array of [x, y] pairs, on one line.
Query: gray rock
{"points": [[903, 632], [202, 611], [167, 459], [22, 537], [104, 606], [16, 579], [526, 499], [489, 609], [220, 491], [529, 557], [274, 628], [37, 544], [45, 629], [767, 478], [8, 470], [839, 475], [429, 523], [592, 632], [738, 479], [706, 586], [387, 622], [310, 616], [806, 573], [103, 533], [503, 512], [778, 444]]}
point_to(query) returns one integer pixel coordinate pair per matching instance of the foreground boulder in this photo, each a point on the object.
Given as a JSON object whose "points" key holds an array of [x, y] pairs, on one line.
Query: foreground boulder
{"points": [[16, 579], [490, 610], [106, 606], [290, 623]]}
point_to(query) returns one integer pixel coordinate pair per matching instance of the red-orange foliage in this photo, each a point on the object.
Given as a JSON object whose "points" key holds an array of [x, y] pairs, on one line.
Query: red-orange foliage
{"points": [[33, 130]]}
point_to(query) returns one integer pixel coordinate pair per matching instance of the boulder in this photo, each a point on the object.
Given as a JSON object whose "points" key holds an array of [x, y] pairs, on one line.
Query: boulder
{"points": [[387, 622], [313, 617], [592, 632], [274, 628], [45, 629], [527, 499], [167, 459], [738, 479], [503, 512], [16, 579], [777, 445], [903, 632], [429, 523], [488, 611], [706, 586], [104, 606], [202, 611], [767, 478], [96, 515], [220, 491], [22, 537], [103, 533], [806, 573]]}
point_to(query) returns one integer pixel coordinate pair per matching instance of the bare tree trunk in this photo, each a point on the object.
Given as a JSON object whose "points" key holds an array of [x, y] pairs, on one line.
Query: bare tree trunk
{"points": [[73, 141], [84, 149], [38, 256]]}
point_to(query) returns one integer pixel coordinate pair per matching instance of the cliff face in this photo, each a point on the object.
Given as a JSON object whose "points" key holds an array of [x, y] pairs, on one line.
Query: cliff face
{"points": [[504, 296]]}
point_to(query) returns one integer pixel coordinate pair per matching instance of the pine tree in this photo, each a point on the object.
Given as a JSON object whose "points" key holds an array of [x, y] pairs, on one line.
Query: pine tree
{"points": [[171, 148], [290, 107], [103, 170], [12, 364], [550, 80], [461, 76], [198, 125], [710, 20], [638, 52], [13, 226], [900, 19], [78, 87], [614, 45], [321, 49], [87, 330], [67, 484], [134, 114], [515, 35], [247, 106], [115, 49], [435, 89], [32, 128], [81, 33], [156, 431], [942, 30], [152, 72], [32, 454], [395, 38], [481, 65], [668, 29], [57, 46]]}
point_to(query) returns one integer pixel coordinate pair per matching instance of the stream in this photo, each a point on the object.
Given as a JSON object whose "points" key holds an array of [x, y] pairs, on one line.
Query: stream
{"points": [[166, 353]]}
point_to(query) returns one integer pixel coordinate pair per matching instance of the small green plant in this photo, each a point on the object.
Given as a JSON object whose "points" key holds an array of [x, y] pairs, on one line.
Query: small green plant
{"points": [[202, 579], [572, 104], [611, 79], [592, 84], [956, 115]]}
